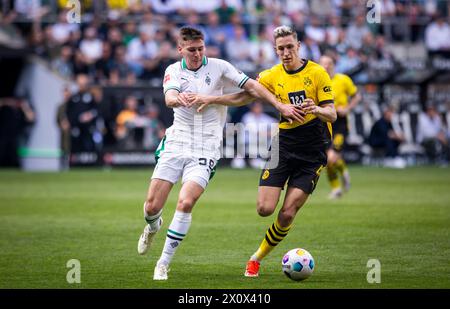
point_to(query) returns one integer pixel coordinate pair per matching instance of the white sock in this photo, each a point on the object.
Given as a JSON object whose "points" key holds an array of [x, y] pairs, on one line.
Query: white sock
{"points": [[154, 221], [254, 258], [175, 234]]}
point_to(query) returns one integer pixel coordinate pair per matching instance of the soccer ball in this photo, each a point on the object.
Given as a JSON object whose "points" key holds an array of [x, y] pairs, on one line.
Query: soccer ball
{"points": [[298, 264]]}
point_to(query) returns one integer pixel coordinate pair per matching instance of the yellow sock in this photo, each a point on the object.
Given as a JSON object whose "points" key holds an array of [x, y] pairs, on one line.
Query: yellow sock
{"points": [[274, 235], [340, 165], [333, 177]]}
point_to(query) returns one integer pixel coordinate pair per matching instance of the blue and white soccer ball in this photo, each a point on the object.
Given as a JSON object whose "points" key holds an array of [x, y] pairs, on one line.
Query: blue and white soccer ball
{"points": [[298, 264]]}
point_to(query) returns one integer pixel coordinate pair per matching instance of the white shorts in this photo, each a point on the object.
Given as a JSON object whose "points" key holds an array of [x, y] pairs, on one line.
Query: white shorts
{"points": [[171, 165]]}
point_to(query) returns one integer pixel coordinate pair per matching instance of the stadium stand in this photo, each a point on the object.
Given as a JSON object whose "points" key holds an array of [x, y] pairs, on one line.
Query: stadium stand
{"points": [[124, 46]]}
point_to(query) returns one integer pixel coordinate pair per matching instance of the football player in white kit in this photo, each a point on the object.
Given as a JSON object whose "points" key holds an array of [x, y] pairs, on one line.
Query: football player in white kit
{"points": [[191, 148]]}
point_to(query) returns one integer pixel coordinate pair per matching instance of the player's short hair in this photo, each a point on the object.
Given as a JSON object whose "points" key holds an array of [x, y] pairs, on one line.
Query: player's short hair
{"points": [[190, 34], [282, 31], [388, 108], [330, 54]]}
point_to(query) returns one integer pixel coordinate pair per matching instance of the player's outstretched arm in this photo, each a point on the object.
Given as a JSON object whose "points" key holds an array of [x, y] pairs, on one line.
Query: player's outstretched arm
{"points": [[253, 89], [234, 99], [326, 112], [288, 111]]}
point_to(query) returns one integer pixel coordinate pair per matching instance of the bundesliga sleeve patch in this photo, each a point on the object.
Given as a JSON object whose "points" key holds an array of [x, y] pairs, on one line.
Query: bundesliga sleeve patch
{"points": [[166, 78]]}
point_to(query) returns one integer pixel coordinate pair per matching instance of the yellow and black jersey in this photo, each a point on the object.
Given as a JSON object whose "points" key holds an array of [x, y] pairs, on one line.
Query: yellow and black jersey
{"points": [[343, 89], [293, 87], [84, 4]]}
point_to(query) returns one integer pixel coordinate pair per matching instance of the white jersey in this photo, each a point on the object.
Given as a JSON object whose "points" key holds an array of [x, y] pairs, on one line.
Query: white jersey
{"points": [[201, 131]]}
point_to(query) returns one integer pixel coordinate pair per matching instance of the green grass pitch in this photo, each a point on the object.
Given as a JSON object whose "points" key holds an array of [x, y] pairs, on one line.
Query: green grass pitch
{"points": [[400, 217]]}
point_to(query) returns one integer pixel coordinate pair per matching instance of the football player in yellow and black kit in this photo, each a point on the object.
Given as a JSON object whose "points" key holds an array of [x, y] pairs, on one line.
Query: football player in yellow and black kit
{"points": [[302, 143], [343, 89]]}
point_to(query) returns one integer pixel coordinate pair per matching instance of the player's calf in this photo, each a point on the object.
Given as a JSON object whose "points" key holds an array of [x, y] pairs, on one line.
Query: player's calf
{"points": [[346, 180], [265, 207]]}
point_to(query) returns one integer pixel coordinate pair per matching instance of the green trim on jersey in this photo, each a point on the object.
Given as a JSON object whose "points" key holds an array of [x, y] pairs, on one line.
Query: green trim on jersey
{"points": [[184, 65], [172, 87], [160, 149], [175, 233], [243, 81]]}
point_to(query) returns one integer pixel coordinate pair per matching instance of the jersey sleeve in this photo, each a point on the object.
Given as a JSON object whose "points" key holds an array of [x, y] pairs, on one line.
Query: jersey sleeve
{"points": [[171, 80], [324, 89], [350, 86], [265, 79], [237, 77]]}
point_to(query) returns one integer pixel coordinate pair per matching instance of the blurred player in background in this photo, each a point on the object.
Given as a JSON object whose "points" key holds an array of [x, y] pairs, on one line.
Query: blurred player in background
{"points": [[346, 97], [302, 144], [191, 148]]}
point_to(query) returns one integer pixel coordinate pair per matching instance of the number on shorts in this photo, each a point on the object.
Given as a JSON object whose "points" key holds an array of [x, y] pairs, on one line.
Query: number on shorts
{"points": [[203, 161]]}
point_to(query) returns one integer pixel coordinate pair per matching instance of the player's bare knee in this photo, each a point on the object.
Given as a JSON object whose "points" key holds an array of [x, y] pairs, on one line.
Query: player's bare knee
{"points": [[185, 204], [332, 158], [286, 217], [330, 163], [288, 213], [264, 209]]}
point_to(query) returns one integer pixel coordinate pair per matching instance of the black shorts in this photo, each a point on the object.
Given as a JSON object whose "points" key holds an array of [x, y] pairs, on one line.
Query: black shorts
{"points": [[340, 131], [338, 141], [299, 170]]}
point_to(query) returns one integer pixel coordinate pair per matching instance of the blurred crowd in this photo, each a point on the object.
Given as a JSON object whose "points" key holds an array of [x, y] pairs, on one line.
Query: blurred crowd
{"points": [[89, 124], [16, 119], [121, 41], [131, 42]]}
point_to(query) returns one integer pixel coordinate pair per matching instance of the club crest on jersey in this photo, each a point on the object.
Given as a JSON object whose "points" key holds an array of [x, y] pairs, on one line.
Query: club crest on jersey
{"points": [[208, 80], [307, 81]]}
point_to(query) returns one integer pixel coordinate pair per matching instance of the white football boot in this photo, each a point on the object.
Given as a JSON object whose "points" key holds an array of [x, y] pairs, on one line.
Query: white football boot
{"points": [[160, 272], [146, 239], [335, 194]]}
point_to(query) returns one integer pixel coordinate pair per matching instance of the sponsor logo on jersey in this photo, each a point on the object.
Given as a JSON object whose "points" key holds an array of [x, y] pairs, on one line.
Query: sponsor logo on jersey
{"points": [[166, 78], [327, 89]]}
